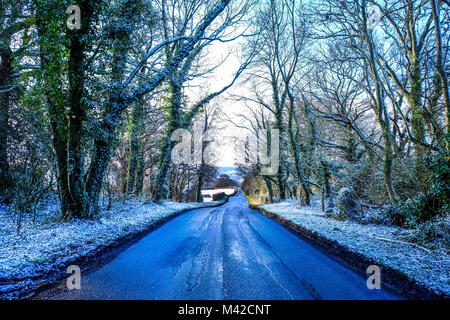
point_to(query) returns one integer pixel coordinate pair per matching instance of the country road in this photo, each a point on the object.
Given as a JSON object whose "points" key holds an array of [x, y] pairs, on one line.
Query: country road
{"points": [[228, 252]]}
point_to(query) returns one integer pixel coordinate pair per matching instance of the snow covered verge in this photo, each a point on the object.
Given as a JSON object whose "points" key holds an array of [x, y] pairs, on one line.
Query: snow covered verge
{"points": [[416, 271], [43, 250]]}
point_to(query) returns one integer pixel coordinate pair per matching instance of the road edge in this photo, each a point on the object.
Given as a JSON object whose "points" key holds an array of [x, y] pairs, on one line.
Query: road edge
{"points": [[395, 278], [50, 280]]}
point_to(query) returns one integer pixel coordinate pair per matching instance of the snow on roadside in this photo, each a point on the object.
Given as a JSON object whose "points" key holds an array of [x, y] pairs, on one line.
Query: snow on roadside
{"points": [[430, 268], [38, 249]]}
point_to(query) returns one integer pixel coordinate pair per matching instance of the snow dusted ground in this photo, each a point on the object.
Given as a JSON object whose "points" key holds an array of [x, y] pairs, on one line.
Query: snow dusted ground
{"points": [[430, 268], [44, 247]]}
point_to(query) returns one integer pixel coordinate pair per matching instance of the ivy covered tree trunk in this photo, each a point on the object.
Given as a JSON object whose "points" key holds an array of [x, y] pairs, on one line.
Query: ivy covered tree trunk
{"points": [[326, 176], [6, 72], [12, 23], [173, 107], [94, 183], [105, 138], [201, 172], [135, 164], [77, 47], [279, 125], [103, 148], [132, 166], [66, 108], [269, 188], [52, 66], [435, 9], [198, 190], [383, 120], [417, 119], [296, 152], [139, 184], [350, 151]]}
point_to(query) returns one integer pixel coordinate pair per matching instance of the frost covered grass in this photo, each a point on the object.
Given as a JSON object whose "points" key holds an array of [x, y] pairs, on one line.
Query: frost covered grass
{"points": [[385, 244], [46, 246]]}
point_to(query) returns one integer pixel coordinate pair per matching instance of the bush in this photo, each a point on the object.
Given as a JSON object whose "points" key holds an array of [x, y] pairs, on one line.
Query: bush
{"points": [[409, 211], [433, 233], [375, 216], [440, 189], [30, 185], [396, 217], [348, 206], [425, 205]]}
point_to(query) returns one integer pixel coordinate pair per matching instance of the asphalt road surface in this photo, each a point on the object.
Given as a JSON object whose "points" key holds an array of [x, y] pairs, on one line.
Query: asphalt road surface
{"points": [[228, 252]]}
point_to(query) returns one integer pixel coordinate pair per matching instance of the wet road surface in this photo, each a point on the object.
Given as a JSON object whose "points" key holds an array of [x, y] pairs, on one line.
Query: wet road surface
{"points": [[228, 252]]}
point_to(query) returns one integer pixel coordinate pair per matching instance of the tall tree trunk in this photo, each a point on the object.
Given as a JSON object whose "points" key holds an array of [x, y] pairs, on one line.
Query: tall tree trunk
{"points": [[52, 66], [440, 68], [139, 183], [136, 128], [198, 190], [202, 169], [417, 121], [350, 151], [380, 110], [174, 109], [279, 125], [269, 188], [383, 121], [296, 152], [77, 113], [104, 141], [97, 169], [326, 175], [6, 72], [66, 134]]}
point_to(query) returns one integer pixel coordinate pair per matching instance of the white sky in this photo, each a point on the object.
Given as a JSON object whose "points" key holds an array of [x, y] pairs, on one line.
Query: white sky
{"points": [[223, 143]]}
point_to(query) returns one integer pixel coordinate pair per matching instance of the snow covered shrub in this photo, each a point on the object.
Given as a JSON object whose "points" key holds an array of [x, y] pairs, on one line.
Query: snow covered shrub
{"points": [[366, 182], [28, 191], [329, 206], [347, 205], [418, 209], [375, 216], [424, 206], [440, 183], [408, 211], [31, 177], [433, 233], [396, 217]]}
